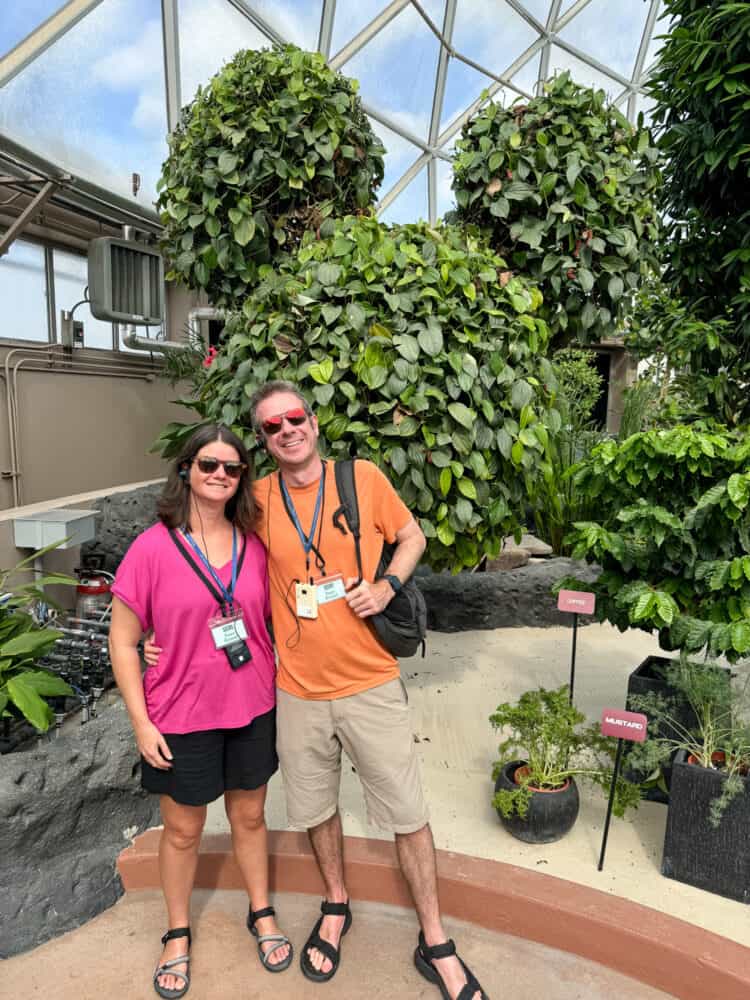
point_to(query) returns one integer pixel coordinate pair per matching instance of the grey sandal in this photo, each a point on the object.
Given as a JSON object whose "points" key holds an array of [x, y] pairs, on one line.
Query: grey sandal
{"points": [[279, 940], [168, 967]]}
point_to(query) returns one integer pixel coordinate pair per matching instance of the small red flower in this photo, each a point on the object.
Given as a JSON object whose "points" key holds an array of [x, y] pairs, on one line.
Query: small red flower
{"points": [[211, 354]]}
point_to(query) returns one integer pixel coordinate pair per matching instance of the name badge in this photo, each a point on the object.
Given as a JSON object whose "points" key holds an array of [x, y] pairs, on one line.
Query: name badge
{"points": [[227, 629], [330, 588], [306, 598]]}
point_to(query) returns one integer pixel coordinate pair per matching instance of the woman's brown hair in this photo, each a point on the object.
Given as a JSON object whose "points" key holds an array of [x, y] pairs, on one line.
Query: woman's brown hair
{"points": [[174, 503]]}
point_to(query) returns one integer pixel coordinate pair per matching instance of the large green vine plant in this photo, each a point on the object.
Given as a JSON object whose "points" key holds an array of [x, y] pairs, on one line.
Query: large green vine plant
{"points": [[273, 145], [564, 187], [416, 353]]}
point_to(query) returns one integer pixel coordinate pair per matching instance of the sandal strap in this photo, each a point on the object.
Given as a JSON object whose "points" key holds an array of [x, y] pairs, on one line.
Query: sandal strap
{"points": [[334, 909], [280, 940], [177, 932], [325, 947], [443, 950], [267, 911], [170, 964]]}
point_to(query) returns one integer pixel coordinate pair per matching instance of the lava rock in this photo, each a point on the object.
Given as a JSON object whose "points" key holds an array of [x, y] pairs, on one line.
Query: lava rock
{"points": [[67, 809], [517, 598]]}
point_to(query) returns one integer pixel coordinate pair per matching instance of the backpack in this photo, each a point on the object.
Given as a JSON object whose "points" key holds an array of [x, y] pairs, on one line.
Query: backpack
{"points": [[402, 626]]}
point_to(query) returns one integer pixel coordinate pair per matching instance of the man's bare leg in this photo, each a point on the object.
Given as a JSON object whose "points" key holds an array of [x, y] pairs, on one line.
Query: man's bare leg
{"points": [[416, 855], [327, 840]]}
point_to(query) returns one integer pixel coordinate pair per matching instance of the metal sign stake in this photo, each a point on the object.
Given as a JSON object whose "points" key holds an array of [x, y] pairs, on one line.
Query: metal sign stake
{"points": [[630, 726], [575, 602]]}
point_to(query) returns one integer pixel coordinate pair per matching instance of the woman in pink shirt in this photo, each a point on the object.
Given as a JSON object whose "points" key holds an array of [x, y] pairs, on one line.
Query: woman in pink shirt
{"points": [[204, 717]]}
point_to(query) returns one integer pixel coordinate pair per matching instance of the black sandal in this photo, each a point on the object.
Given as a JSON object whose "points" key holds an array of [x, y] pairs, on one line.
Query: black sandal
{"points": [[279, 939], [423, 957], [168, 967], [316, 941]]}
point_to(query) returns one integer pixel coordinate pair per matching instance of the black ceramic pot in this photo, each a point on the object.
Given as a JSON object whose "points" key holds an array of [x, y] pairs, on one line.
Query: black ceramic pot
{"points": [[551, 814]]}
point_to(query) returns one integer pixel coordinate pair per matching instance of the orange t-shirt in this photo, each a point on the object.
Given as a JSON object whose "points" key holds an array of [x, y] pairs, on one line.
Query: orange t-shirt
{"points": [[335, 654]]}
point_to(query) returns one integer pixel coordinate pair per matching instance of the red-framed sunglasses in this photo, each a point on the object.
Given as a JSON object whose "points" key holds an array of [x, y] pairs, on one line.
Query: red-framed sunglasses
{"points": [[273, 425]]}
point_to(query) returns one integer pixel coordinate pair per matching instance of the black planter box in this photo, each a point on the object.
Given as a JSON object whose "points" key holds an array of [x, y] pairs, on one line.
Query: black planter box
{"points": [[714, 859]]}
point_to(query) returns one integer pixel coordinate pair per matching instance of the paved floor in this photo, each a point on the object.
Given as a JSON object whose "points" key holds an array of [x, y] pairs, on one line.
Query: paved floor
{"points": [[112, 957], [452, 692]]}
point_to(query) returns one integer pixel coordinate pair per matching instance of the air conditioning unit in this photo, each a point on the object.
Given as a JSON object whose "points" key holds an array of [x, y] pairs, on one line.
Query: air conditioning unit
{"points": [[126, 281]]}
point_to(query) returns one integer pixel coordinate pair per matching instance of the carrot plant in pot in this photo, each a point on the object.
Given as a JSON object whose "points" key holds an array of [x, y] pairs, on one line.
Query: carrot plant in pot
{"points": [[547, 744]]}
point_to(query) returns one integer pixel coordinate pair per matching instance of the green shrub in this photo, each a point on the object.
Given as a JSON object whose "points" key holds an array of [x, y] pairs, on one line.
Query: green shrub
{"points": [[564, 185], [701, 90], [553, 497], [672, 536], [273, 145], [416, 354]]}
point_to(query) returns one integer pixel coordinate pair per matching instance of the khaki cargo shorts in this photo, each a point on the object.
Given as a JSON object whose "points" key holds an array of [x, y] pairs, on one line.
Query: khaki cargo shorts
{"points": [[374, 728]]}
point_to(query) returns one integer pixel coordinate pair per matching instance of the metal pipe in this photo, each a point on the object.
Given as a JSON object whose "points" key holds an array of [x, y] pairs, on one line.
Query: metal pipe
{"points": [[17, 227]]}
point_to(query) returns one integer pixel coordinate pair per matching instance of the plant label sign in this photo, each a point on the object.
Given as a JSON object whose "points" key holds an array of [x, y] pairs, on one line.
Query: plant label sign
{"points": [[579, 602], [624, 725]]}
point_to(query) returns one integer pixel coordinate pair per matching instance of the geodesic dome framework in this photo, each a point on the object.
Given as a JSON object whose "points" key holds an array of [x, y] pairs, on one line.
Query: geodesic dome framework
{"points": [[93, 86]]}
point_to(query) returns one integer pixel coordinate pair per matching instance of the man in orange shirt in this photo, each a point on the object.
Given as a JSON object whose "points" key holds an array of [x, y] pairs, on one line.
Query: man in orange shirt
{"points": [[337, 685]]}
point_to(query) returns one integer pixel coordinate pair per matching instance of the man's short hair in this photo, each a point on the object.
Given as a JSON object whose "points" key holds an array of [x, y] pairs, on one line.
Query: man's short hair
{"points": [[271, 389]]}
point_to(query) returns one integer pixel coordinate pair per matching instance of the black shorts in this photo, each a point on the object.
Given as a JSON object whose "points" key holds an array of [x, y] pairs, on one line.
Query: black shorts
{"points": [[207, 764]]}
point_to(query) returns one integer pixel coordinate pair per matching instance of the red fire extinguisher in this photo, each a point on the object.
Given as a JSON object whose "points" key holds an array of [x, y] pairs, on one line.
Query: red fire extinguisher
{"points": [[93, 595]]}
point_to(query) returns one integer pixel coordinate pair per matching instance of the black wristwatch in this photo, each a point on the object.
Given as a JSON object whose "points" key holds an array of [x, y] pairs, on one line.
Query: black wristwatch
{"points": [[394, 582]]}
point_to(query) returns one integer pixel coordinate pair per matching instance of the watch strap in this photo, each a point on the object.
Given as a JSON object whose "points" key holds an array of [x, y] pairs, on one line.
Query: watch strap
{"points": [[394, 582]]}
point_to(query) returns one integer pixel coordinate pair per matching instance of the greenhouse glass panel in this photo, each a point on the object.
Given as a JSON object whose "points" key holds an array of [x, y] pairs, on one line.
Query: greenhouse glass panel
{"points": [[538, 9], [351, 18], [296, 21], [400, 154], [211, 32], [23, 292], [526, 77], [396, 71], [493, 35], [611, 33], [582, 73], [94, 102], [411, 204], [71, 278], [446, 201], [20, 19], [463, 86]]}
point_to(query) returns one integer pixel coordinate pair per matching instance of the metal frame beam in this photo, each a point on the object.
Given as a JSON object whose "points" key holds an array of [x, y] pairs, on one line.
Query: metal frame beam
{"points": [[554, 11], [404, 180], [170, 29], [640, 59], [369, 31], [262, 25], [569, 14], [441, 77], [42, 37], [327, 15], [36, 203]]}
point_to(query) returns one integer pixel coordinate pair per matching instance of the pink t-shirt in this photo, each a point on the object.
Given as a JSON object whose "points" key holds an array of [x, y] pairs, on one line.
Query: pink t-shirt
{"points": [[193, 688]]}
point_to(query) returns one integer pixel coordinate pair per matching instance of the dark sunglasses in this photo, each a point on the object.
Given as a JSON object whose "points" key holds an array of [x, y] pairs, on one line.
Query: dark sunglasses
{"points": [[209, 465], [273, 424]]}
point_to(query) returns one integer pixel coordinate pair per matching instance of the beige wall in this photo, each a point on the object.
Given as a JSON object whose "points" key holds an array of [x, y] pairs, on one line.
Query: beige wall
{"points": [[84, 431]]}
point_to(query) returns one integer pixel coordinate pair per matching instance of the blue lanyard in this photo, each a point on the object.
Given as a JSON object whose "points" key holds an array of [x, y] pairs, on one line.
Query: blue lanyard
{"points": [[308, 541], [228, 595]]}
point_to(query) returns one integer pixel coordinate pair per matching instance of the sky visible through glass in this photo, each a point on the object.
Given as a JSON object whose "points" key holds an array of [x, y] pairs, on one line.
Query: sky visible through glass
{"points": [[95, 101]]}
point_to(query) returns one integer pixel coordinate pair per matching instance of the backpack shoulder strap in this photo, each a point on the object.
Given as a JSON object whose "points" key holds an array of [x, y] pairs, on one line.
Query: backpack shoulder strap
{"points": [[349, 506]]}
